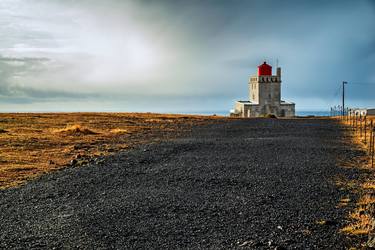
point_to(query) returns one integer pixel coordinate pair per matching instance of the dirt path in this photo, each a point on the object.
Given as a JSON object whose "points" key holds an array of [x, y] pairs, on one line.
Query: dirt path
{"points": [[257, 184]]}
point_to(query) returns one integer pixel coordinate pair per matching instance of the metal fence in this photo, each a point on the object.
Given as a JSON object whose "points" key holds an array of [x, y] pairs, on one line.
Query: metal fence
{"points": [[363, 127]]}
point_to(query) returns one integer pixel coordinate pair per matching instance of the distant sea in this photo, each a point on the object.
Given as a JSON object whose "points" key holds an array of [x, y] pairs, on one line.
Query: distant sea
{"points": [[315, 113], [298, 113]]}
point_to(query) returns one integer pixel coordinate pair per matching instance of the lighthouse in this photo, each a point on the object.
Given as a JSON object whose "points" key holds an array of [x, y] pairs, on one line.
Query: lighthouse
{"points": [[264, 96]]}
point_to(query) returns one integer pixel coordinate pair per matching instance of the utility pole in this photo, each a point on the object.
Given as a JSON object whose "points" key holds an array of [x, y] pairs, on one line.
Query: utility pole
{"points": [[343, 97]]}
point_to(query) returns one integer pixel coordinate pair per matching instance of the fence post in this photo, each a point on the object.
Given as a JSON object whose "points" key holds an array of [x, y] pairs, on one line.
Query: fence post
{"points": [[371, 137], [353, 120], [356, 122], [347, 115], [360, 125], [365, 127]]}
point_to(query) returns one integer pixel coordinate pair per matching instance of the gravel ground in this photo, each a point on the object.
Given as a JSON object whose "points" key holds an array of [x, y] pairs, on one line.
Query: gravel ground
{"points": [[255, 184]]}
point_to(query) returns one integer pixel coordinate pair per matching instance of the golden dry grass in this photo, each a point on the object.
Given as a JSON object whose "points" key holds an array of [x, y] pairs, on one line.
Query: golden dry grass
{"points": [[32, 143], [368, 185], [344, 202], [356, 136], [120, 131], [367, 199], [75, 130], [362, 217]]}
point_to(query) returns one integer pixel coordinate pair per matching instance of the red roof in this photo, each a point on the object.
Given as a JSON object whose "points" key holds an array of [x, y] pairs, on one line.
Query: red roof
{"points": [[264, 70]]}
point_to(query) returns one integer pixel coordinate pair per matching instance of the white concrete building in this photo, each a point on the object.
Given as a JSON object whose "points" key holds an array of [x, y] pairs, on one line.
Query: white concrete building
{"points": [[362, 111], [264, 96]]}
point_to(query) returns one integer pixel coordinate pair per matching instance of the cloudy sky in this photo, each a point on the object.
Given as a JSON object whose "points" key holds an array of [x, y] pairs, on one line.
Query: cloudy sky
{"points": [[179, 55]]}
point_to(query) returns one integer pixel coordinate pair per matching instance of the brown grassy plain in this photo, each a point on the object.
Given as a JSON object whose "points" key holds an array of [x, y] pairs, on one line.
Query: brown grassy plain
{"points": [[36, 143], [363, 216]]}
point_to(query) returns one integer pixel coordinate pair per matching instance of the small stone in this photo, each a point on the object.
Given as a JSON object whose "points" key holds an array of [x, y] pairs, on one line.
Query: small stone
{"points": [[371, 242], [51, 162], [247, 243], [330, 222], [84, 162], [326, 222], [280, 227], [73, 162], [280, 248]]}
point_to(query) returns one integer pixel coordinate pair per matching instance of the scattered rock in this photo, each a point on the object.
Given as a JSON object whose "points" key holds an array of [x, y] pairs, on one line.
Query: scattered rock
{"points": [[326, 222], [271, 243], [82, 163], [306, 232], [371, 242], [330, 222], [193, 189], [280, 248], [247, 243]]}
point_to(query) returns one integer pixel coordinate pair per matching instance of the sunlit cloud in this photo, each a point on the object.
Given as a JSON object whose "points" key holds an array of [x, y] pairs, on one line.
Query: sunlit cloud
{"points": [[180, 55]]}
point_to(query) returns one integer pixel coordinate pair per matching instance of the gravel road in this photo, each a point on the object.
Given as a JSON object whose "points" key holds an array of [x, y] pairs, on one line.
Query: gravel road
{"points": [[252, 184]]}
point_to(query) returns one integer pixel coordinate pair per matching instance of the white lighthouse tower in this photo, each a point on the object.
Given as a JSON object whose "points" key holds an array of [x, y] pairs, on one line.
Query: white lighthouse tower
{"points": [[264, 96]]}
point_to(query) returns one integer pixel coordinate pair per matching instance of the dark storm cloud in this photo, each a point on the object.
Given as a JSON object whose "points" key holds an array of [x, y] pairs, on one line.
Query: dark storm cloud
{"points": [[17, 91], [211, 48]]}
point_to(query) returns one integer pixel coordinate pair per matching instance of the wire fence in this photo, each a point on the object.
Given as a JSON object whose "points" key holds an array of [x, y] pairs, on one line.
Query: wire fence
{"points": [[362, 126]]}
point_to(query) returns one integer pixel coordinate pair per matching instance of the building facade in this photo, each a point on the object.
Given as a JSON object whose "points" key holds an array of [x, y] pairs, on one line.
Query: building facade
{"points": [[363, 112], [264, 96]]}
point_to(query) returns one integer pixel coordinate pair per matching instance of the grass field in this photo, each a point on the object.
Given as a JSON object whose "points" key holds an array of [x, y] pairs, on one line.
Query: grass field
{"points": [[363, 216], [32, 143]]}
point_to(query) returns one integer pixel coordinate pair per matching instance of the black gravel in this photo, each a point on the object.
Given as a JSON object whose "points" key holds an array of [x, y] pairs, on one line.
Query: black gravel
{"points": [[256, 184]]}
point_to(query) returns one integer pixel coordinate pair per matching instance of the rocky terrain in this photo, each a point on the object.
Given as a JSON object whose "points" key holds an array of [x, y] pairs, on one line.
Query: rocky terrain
{"points": [[36, 143], [242, 184]]}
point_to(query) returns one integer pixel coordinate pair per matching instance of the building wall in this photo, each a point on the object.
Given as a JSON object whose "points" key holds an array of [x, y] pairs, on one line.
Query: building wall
{"points": [[265, 90], [252, 110], [362, 112], [288, 110], [245, 110], [269, 91], [254, 89], [239, 109]]}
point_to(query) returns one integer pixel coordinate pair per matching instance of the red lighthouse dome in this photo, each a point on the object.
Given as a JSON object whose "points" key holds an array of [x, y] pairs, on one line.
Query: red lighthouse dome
{"points": [[264, 70]]}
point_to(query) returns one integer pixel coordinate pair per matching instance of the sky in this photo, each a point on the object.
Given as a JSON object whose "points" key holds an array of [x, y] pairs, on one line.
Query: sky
{"points": [[179, 56]]}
